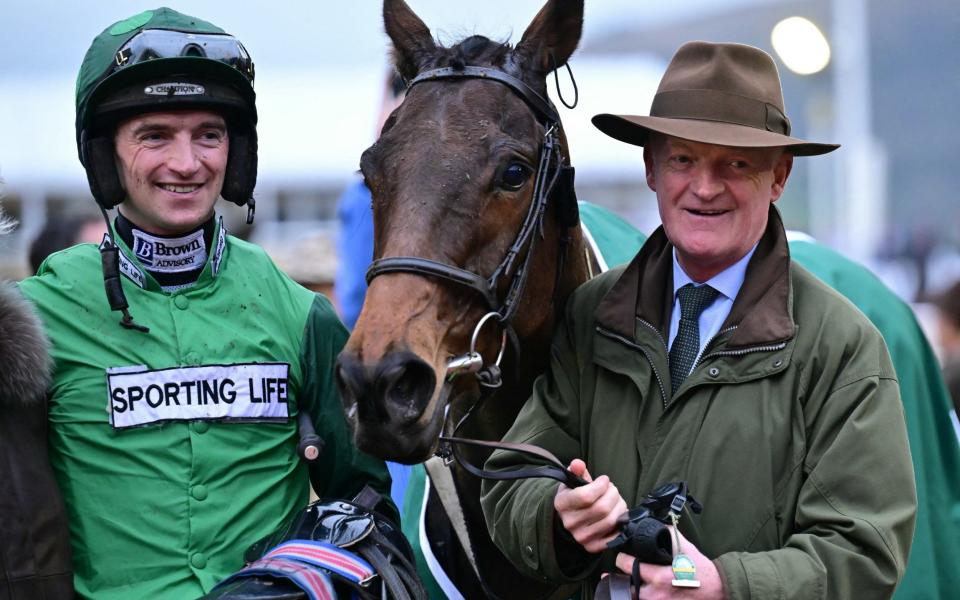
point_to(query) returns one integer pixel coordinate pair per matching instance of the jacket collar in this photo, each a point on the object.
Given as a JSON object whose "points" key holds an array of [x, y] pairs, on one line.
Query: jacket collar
{"points": [[132, 269], [762, 312]]}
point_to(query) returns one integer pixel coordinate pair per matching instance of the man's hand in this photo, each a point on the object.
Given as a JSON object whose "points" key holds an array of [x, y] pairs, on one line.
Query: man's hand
{"points": [[657, 578], [590, 512]]}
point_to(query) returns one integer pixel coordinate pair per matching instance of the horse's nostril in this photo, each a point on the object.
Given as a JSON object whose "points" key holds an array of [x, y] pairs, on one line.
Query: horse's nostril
{"points": [[404, 392], [407, 388]]}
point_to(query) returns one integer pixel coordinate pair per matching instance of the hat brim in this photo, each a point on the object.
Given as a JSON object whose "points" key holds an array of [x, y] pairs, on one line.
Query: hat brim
{"points": [[636, 130]]}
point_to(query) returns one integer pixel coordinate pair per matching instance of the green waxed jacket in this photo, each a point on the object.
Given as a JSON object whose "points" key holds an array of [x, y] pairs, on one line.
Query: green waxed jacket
{"points": [[166, 510], [790, 432]]}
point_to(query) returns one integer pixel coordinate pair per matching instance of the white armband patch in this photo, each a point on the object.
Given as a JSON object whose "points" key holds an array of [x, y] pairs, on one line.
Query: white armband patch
{"points": [[237, 392]]}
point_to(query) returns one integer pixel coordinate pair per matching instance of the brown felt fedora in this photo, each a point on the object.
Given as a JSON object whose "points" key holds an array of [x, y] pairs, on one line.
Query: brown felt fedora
{"points": [[724, 94]]}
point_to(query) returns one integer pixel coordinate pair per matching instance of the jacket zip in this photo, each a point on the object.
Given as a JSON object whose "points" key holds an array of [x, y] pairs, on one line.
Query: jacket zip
{"points": [[667, 351], [742, 351], [635, 346], [663, 342], [656, 331], [663, 394], [707, 345]]}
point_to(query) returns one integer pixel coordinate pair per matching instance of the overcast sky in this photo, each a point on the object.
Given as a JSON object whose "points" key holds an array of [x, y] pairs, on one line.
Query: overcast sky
{"points": [[52, 35], [319, 64]]}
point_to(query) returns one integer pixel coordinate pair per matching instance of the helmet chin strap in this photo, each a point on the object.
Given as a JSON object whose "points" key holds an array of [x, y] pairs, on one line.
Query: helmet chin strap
{"points": [[110, 263], [251, 210]]}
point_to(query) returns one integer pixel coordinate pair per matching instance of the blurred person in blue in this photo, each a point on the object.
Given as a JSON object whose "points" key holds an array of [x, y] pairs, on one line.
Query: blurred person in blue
{"points": [[174, 433], [355, 243]]}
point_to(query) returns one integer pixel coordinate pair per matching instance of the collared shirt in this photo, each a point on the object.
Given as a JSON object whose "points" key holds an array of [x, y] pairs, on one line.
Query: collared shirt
{"points": [[727, 282]]}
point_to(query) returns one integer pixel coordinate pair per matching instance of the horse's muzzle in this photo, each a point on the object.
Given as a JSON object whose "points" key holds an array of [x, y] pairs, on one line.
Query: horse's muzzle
{"points": [[393, 392]]}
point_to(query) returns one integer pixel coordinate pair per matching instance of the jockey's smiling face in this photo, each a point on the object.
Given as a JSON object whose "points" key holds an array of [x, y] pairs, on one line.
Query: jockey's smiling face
{"points": [[713, 200], [172, 166]]}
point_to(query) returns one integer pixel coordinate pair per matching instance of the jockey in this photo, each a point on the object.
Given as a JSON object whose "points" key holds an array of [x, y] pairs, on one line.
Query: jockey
{"points": [[173, 433]]}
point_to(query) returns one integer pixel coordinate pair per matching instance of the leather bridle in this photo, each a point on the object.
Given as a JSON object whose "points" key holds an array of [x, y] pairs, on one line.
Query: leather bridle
{"points": [[553, 179], [550, 171]]}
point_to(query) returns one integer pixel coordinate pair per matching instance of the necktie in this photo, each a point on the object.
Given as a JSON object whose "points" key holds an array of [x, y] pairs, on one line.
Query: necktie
{"points": [[686, 346]]}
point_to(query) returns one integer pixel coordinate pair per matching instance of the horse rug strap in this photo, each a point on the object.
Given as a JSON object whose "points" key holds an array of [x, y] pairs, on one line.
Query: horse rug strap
{"points": [[442, 481], [313, 582], [297, 560], [321, 554]]}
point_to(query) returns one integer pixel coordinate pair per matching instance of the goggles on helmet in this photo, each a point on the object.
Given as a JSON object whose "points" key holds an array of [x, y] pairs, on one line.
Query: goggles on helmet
{"points": [[152, 44]]}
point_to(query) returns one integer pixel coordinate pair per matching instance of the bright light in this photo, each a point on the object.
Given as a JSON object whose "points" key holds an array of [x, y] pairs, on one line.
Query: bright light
{"points": [[800, 45]]}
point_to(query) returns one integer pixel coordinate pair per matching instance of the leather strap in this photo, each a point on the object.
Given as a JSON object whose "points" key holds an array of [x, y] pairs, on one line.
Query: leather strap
{"points": [[390, 577], [553, 470], [542, 106], [398, 574], [615, 586], [426, 266]]}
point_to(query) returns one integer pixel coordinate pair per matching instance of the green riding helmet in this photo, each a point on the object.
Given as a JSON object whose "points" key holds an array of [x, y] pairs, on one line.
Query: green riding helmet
{"points": [[161, 60]]}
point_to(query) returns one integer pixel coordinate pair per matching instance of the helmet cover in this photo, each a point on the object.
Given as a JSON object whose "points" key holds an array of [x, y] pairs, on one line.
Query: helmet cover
{"points": [[162, 60]]}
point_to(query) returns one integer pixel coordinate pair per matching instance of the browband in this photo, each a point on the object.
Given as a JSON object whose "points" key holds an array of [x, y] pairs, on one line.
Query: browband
{"points": [[538, 103]]}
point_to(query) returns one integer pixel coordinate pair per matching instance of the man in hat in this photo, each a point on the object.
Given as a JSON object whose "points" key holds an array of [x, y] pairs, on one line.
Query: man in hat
{"points": [[715, 360], [174, 432]]}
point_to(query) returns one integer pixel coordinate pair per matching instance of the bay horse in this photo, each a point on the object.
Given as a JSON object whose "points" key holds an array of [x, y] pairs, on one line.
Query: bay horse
{"points": [[472, 209]]}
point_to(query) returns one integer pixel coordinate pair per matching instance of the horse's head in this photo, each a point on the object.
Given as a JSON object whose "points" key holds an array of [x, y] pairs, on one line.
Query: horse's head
{"points": [[453, 178]]}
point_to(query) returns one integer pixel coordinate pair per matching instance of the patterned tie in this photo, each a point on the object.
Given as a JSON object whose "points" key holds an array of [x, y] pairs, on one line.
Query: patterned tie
{"points": [[686, 346]]}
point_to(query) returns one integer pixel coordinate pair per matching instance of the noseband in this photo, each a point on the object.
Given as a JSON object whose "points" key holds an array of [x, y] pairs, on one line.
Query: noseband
{"points": [[552, 179]]}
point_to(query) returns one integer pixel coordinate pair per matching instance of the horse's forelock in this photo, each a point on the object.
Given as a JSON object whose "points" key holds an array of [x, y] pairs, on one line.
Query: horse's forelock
{"points": [[475, 50], [481, 51]]}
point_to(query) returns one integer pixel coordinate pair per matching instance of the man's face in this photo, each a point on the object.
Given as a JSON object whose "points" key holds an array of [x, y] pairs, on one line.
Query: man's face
{"points": [[713, 200], [171, 165]]}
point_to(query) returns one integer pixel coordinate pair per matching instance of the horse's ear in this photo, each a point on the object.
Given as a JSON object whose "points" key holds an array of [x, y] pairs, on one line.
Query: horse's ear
{"points": [[412, 43], [552, 36]]}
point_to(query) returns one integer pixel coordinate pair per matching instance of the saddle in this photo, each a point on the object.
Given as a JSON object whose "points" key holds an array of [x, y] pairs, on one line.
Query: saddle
{"points": [[332, 549]]}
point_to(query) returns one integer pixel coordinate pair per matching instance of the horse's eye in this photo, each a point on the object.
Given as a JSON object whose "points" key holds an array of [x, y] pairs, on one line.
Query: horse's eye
{"points": [[514, 176]]}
